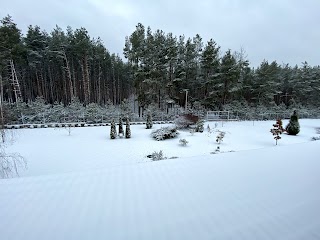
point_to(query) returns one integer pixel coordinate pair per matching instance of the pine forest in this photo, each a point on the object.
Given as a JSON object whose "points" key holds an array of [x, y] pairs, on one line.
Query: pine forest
{"points": [[159, 69]]}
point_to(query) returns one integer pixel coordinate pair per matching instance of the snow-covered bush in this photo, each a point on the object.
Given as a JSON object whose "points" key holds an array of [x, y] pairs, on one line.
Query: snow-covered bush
{"points": [[277, 130], [199, 126], [128, 131], [315, 138], [293, 128], [113, 130], [156, 156], [220, 136], [120, 132], [185, 121], [165, 133], [126, 109], [10, 164], [93, 113], [149, 121], [183, 142], [318, 137]]}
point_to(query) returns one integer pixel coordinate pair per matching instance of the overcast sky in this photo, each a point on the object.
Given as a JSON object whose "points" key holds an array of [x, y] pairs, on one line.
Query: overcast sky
{"points": [[283, 30]]}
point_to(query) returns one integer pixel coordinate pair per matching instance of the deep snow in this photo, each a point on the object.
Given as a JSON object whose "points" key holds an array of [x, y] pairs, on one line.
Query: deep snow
{"points": [[87, 186]]}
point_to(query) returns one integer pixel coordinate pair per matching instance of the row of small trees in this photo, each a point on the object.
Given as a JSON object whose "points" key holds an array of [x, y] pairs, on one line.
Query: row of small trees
{"points": [[113, 129], [127, 133]]}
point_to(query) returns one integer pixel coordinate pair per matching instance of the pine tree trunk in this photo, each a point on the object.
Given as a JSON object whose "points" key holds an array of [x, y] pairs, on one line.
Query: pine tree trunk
{"points": [[68, 72], [86, 80]]}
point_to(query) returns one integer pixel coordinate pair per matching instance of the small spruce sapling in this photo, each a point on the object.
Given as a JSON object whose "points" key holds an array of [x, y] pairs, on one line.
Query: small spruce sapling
{"points": [[149, 121], [128, 131], [113, 130], [277, 130]]}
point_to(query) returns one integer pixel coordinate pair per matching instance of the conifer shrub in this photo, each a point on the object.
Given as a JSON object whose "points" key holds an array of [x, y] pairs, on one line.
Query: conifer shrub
{"points": [[128, 131], [120, 133], [149, 121], [293, 128], [113, 130]]}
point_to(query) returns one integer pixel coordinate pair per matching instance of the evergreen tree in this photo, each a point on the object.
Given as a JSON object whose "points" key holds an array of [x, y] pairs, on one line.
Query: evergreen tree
{"points": [[277, 130], [128, 131], [149, 121], [121, 133], [228, 78], [113, 130], [209, 71], [293, 128]]}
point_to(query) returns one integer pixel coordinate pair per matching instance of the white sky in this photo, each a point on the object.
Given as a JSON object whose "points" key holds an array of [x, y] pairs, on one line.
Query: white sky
{"points": [[283, 30]]}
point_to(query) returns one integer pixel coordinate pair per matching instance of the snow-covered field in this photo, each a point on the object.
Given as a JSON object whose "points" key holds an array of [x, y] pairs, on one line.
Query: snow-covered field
{"points": [[87, 186]]}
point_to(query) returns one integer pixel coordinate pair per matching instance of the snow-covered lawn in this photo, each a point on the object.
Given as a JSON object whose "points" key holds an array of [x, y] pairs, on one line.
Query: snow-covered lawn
{"points": [[87, 186]]}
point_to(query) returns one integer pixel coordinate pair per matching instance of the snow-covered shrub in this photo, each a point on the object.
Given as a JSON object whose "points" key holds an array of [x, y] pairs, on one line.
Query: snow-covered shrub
{"points": [[277, 130], [113, 130], [93, 113], [184, 121], [128, 131], [156, 156], [120, 132], [293, 128], [199, 126], [149, 121], [126, 109], [165, 133], [318, 137], [10, 165], [220, 136], [315, 138], [183, 142]]}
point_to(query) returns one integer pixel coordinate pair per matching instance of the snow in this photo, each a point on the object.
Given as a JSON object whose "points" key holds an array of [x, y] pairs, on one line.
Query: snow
{"points": [[87, 186]]}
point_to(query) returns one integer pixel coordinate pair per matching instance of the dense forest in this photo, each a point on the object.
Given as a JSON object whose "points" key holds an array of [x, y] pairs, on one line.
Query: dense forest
{"points": [[159, 69]]}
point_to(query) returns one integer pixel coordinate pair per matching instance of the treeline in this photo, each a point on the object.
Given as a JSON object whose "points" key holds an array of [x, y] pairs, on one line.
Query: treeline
{"points": [[161, 69], [59, 66], [165, 66]]}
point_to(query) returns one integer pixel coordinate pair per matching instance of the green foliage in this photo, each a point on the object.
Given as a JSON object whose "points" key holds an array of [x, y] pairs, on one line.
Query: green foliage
{"points": [[149, 121], [277, 130], [113, 130], [128, 131], [62, 65], [121, 133], [293, 128]]}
